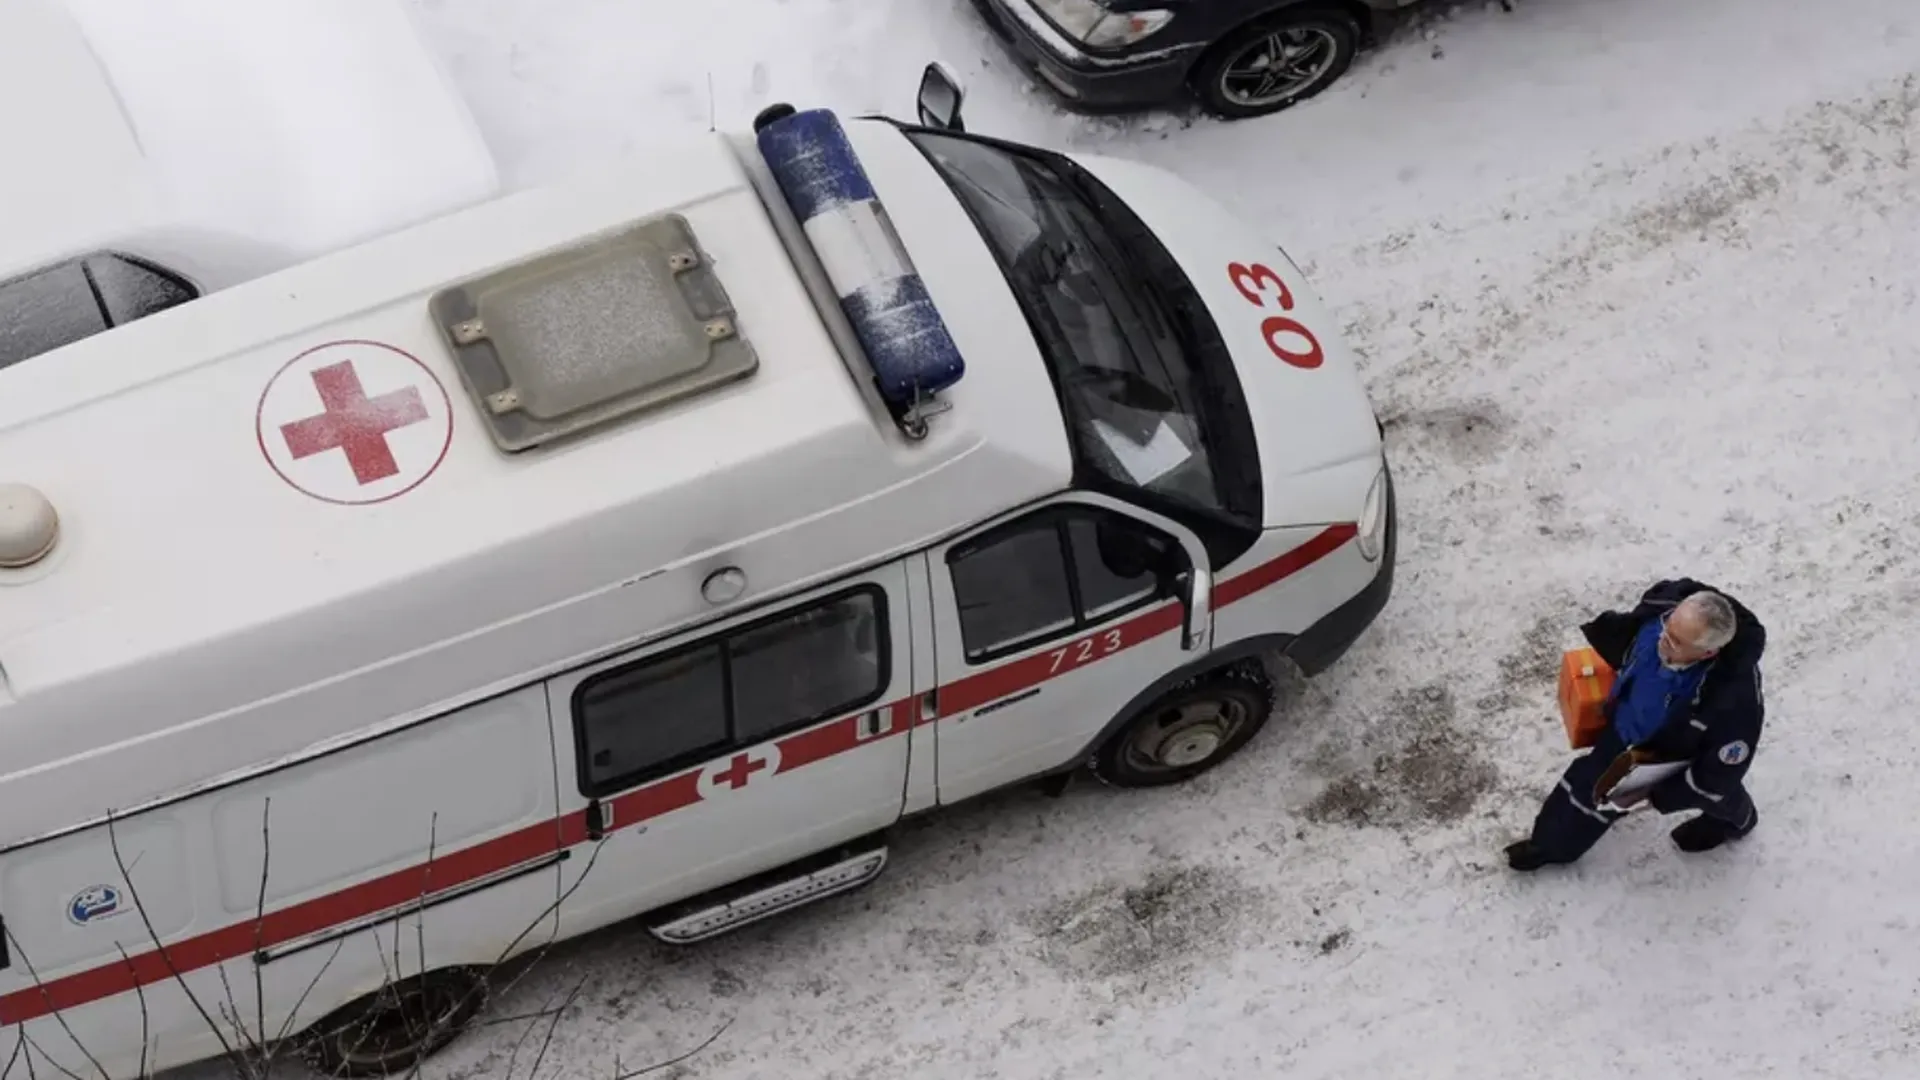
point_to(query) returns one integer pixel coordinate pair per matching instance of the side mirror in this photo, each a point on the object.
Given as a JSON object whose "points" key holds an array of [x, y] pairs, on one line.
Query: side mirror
{"points": [[940, 97], [1197, 599]]}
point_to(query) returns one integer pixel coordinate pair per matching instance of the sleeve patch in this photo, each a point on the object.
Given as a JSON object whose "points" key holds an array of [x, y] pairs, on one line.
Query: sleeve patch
{"points": [[1734, 752]]}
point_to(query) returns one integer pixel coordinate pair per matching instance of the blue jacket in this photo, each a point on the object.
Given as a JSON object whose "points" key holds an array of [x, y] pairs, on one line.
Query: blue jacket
{"points": [[1719, 730], [1648, 694]]}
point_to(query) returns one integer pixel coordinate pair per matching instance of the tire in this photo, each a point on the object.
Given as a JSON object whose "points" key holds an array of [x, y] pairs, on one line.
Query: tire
{"points": [[396, 1027], [1187, 730], [1325, 41]]}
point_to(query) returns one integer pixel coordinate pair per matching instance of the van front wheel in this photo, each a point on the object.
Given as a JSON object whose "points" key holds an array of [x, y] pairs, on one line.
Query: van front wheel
{"points": [[397, 1026], [1186, 731]]}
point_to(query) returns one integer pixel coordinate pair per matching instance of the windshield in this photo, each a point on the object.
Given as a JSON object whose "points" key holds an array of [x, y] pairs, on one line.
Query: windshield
{"points": [[1152, 405]]}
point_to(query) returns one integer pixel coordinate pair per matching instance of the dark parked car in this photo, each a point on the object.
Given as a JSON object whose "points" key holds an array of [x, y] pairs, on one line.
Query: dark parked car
{"points": [[1237, 58]]}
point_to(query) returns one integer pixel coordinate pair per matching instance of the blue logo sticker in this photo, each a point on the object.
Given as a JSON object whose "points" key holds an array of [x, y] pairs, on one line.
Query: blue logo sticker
{"points": [[93, 904], [1733, 753]]}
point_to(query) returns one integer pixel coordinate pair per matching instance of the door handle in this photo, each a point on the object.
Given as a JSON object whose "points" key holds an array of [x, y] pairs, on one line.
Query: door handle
{"points": [[1011, 699], [929, 705]]}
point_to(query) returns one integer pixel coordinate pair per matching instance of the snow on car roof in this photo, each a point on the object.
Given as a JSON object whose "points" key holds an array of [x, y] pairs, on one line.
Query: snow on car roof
{"points": [[224, 138], [284, 503], [75, 169]]}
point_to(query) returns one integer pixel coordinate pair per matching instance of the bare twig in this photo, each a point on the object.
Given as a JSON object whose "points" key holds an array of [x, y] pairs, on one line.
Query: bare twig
{"points": [[559, 844], [499, 1021], [113, 838], [230, 1012], [513, 1056], [242, 1041], [286, 1026], [426, 890], [534, 1073], [260, 929], [59, 1016], [482, 983], [64, 1071], [140, 993], [396, 974], [390, 978], [717, 1032]]}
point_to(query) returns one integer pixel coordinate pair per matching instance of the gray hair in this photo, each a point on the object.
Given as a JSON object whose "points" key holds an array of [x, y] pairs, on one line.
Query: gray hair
{"points": [[1715, 613]]}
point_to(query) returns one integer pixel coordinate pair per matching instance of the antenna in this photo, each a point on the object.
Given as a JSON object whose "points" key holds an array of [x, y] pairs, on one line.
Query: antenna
{"points": [[709, 101]]}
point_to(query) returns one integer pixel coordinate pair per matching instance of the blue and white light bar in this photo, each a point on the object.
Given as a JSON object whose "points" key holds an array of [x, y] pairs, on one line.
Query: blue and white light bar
{"points": [[906, 342]]}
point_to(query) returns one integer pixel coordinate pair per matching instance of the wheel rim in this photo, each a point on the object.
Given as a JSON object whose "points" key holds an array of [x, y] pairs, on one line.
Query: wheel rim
{"points": [[407, 1020], [1278, 65], [1185, 736]]}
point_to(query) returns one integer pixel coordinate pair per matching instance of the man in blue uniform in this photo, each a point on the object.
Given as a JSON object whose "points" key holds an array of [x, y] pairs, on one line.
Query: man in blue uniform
{"points": [[1686, 690]]}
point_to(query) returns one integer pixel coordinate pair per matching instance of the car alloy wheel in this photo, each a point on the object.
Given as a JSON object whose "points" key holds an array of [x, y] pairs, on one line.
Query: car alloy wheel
{"points": [[1278, 66]]}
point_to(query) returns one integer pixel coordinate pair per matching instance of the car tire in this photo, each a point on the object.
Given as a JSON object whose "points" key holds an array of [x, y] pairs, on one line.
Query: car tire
{"points": [[397, 1026], [1188, 730], [1323, 42]]}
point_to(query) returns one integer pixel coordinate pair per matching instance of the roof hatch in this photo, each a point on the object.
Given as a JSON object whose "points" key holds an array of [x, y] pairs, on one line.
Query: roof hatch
{"points": [[593, 332]]}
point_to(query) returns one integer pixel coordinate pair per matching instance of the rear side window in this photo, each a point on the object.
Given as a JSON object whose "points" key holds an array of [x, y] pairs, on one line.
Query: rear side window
{"points": [[661, 714], [130, 290], [64, 303], [1054, 574]]}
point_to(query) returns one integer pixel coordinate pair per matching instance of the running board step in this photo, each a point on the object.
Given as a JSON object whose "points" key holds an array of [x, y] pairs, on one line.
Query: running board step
{"points": [[786, 894]]}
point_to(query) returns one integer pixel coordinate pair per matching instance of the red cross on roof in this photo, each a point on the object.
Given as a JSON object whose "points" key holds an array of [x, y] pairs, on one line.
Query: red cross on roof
{"points": [[354, 423]]}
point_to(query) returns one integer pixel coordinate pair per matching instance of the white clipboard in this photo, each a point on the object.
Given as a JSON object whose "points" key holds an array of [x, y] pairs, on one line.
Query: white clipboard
{"points": [[1639, 779]]}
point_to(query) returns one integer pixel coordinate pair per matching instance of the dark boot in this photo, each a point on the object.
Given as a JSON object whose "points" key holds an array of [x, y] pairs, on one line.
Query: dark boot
{"points": [[1706, 833], [1526, 856]]}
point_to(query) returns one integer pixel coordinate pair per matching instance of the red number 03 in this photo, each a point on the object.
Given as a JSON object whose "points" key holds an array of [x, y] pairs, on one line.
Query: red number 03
{"points": [[1287, 337]]}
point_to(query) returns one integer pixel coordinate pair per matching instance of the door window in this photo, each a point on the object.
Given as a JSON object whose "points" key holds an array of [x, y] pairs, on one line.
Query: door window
{"points": [[743, 686], [1012, 591], [1054, 574]]}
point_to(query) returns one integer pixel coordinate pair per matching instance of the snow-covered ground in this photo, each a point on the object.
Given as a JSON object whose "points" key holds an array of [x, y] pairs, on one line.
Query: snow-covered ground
{"points": [[1634, 281]]}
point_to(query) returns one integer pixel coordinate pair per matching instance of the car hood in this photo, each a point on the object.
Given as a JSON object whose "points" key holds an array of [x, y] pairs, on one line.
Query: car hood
{"points": [[1318, 439]]}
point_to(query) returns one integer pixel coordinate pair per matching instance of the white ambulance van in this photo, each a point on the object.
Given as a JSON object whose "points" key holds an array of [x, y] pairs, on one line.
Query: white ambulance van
{"points": [[641, 547]]}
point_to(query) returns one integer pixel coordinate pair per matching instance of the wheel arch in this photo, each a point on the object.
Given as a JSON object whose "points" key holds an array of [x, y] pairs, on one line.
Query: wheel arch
{"points": [[472, 979], [1244, 654]]}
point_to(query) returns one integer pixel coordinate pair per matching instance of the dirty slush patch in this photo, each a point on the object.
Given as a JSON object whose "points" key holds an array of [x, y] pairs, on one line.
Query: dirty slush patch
{"points": [[1527, 673], [1149, 935], [1469, 432], [1430, 773]]}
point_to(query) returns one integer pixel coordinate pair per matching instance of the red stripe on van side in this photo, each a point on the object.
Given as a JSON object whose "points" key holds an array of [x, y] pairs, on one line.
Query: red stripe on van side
{"points": [[1273, 571], [803, 748], [1030, 671], [455, 868], [657, 799], [445, 871]]}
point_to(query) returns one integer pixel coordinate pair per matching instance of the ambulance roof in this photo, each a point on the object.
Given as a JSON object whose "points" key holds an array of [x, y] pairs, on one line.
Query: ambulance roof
{"points": [[289, 488]]}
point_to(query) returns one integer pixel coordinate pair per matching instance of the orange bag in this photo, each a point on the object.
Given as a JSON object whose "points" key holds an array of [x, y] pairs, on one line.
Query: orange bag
{"points": [[1585, 680]]}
